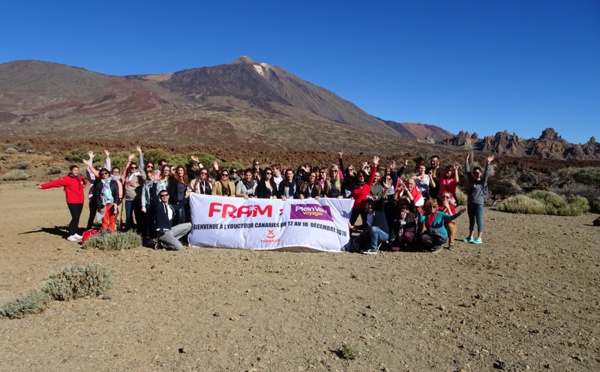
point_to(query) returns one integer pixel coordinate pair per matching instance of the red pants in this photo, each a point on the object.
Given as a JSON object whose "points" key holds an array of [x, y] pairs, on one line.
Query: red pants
{"points": [[110, 218]]}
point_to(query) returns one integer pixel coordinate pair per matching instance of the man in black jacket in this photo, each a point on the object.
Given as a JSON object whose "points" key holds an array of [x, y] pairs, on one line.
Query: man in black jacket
{"points": [[168, 235]]}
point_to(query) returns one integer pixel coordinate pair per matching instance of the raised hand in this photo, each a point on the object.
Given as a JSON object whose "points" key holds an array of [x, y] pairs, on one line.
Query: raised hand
{"points": [[194, 158], [131, 156], [376, 160], [91, 154], [139, 149], [490, 158], [107, 153]]}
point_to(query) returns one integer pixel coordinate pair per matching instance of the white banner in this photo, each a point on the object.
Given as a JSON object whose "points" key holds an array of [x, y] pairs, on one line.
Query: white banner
{"points": [[269, 223]]}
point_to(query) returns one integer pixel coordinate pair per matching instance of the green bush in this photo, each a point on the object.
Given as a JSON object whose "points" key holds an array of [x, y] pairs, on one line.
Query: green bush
{"points": [[461, 197], [522, 204], [545, 202], [595, 204], [71, 282], [11, 150], [31, 303], [588, 176], [16, 175], [21, 146], [107, 241], [53, 170], [75, 281]]}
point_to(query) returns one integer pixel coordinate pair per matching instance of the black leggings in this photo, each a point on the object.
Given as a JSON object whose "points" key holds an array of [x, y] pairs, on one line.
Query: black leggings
{"points": [[75, 210]]}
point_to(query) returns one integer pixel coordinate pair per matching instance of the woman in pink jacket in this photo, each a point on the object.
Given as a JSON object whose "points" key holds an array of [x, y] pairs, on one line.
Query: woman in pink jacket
{"points": [[73, 184]]}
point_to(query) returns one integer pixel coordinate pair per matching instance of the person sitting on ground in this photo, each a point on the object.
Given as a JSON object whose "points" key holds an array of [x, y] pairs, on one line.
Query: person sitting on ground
{"points": [[246, 188], [378, 231], [476, 197], [73, 184], [446, 206], [433, 232], [287, 187], [267, 188], [168, 232], [223, 186], [310, 189]]}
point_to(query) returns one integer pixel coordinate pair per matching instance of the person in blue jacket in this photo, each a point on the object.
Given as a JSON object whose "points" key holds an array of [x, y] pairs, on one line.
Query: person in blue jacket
{"points": [[434, 233]]}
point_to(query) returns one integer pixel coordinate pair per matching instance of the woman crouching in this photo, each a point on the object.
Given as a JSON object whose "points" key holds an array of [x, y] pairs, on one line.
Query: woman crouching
{"points": [[434, 232]]}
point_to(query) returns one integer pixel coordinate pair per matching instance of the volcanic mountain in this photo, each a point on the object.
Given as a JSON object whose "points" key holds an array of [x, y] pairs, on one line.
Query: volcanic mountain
{"points": [[240, 103]]}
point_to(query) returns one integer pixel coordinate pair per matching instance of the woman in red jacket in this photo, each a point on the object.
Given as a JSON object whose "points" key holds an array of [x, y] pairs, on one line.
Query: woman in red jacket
{"points": [[361, 190], [74, 184]]}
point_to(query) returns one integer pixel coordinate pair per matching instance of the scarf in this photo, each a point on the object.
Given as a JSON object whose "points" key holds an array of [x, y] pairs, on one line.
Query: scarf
{"points": [[249, 185], [429, 219]]}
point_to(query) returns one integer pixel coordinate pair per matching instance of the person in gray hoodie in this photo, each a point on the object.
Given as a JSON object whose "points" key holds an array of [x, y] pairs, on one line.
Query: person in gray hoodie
{"points": [[476, 197]]}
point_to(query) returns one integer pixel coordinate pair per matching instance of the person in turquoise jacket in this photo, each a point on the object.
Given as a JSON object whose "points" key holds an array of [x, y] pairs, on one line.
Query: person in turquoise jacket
{"points": [[434, 233]]}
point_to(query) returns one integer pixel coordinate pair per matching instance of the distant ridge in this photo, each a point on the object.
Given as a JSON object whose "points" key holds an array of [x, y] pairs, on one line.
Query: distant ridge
{"points": [[243, 102]]}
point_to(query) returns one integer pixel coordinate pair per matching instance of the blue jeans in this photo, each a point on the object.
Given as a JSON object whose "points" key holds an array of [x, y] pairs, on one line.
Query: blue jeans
{"points": [[377, 235], [475, 212]]}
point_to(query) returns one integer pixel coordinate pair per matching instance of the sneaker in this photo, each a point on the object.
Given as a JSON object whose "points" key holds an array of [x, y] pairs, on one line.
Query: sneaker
{"points": [[370, 251], [72, 238], [436, 249], [450, 247], [476, 241], [79, 237], [468, 240]]}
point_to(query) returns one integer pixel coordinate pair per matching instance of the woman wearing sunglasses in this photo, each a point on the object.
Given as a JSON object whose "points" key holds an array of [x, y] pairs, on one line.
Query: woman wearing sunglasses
{"points": [[223, 186], [267, 188], [476, 197]]}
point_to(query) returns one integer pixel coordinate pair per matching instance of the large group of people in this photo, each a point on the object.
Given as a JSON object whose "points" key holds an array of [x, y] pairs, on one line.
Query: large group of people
{"points": [[400, 209]]}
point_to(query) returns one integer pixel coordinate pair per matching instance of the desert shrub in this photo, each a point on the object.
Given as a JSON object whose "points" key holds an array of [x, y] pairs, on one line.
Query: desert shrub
{"points": [[545, 202], [75, 281], [31, 303], [348, 352], [71, 282], [21, 146], [588, 176], [461, 197], [48, 153], [576, 188], [76, 155], [522, 204], [107, 241], [577, 205], [16, 175], [595, 204], [502, 187], [21, 166], [553, 202], [53, 170], [11, 150]]}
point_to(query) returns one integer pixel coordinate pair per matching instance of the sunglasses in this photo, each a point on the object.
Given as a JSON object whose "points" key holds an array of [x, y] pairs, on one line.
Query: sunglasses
{"points": [[224, 174], [133, 167], [268, 173], [256, 163], [164, 195], [103, 172], [203, 172]]}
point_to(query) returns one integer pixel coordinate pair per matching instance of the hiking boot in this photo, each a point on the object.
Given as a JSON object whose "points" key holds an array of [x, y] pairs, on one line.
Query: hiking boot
{"points": [[476, 241]]}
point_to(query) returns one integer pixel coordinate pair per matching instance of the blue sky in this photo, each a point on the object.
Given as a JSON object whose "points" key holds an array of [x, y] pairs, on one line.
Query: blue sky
{"points": [[479, 66]]}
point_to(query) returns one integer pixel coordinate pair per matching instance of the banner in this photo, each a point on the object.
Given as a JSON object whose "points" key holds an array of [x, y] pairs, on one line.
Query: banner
{"points": [[269, 223]]}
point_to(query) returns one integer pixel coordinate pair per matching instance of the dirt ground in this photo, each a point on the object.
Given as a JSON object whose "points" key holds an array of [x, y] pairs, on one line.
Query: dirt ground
{"points": [[528, 298]]}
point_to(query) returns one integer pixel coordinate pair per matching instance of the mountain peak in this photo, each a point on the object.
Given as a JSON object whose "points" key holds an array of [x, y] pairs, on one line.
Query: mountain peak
{"points": [[243, 59]]}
